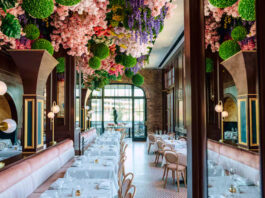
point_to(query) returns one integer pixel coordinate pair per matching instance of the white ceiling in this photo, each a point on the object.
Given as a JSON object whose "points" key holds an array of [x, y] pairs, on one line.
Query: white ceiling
{"points": [[173, 27]]}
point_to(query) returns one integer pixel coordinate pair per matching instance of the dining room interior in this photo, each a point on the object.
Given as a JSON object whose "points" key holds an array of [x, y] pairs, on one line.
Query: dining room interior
{"points": [[132, 98]]}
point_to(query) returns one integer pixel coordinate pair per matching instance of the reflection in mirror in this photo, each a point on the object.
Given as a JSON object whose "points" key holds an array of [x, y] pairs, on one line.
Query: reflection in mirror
{"points": [[60, 72], [232, 102]]}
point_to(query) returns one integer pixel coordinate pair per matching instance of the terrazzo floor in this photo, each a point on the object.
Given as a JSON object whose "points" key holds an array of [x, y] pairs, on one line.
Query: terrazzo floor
{"points": [[148, 177]]}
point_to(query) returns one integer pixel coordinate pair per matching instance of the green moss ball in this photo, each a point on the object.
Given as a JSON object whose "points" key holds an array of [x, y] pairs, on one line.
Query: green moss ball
{"points": [[100, 50], [94, 62], [247, 9], [118, 59], [32, 31], [61, 65], [129, 73], [39, 9], [68, 2], [43, 44], [128, 61], [138, 80], [209, 65], [239, 33], [228, 49], [222, 3]]}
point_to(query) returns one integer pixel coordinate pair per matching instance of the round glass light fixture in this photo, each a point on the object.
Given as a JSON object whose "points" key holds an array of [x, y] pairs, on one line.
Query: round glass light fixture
{"points": [[225, 114], [55, 109], [50, 115], [11, 125], [219, 107], [3, 88]]}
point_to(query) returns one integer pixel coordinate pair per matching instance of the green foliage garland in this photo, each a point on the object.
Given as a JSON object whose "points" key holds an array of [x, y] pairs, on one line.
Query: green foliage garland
{"points": [[209, 65], [138, 80], [222, 3], [94, 62], [32, 31], [68, 2], [43, 44], [129, 73], [10, 26], [61, 65], [39, 9], [228, 49], [7, 4], [247, 9]]}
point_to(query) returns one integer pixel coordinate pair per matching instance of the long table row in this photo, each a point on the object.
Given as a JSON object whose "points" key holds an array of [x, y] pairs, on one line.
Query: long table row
{"points": [[94, 174]]}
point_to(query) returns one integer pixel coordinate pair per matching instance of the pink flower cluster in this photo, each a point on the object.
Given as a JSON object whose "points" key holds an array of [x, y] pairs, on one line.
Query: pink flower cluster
{"points": [[156, 6], [73, 32], [211, 35], [128, 44], [217, 13]]}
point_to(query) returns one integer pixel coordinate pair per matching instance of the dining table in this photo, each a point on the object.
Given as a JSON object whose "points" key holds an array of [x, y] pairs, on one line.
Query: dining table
{"points": [[83, 188], [218, 187], [94, 174]]}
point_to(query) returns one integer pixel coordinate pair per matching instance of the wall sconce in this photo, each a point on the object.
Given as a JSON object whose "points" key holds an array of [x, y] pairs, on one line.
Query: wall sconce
{"points": [[54, 110], [8, 126], [3, 88], [220, 109]]}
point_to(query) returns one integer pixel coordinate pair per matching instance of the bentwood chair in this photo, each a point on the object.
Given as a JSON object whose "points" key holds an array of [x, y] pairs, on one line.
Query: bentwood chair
{"points": [[159, 152], [121, 170], [131, 192], [152, 140], [126, 184], [172, 164]]}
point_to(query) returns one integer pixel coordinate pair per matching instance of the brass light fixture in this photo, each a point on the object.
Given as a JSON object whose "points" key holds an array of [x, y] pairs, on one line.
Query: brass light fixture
{"points": [[219, 108], [54, 110], [8, 126]]}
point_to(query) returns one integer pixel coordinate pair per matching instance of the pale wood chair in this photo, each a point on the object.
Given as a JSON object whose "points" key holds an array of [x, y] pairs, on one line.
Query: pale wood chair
{"points": [[131, 192], [152, 140], [172, 164], [165, 149], [159, 152], [125, 185], [121, 170]]}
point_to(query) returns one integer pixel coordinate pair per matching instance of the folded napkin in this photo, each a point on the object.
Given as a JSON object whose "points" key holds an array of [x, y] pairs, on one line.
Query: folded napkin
{"points": [[241, 181], [104, 185]]}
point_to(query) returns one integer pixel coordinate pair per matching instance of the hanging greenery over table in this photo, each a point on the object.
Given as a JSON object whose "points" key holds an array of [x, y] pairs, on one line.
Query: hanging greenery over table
{"points": [[111, 38]]}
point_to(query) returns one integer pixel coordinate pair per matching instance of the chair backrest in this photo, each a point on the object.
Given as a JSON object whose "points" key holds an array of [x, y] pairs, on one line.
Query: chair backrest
{"points": [[151, 138], [126, 184], [183, 138], [160, 145], [131, 192], [171, 157]]}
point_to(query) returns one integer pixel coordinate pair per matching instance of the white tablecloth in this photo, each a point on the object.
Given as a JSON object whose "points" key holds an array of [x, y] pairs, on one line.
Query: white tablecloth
{"points": [[92, 169], [103, 150], [218, 188], [89, 188]]}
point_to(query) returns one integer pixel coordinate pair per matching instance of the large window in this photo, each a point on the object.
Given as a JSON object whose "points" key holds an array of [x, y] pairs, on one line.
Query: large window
{"points": [[130, 104]]}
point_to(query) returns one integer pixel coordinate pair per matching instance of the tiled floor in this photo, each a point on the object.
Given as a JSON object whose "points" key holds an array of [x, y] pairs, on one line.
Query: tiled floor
{"points": [[148, 178]]}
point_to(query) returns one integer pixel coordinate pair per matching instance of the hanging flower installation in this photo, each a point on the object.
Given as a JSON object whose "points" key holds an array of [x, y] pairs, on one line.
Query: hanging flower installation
{"points": [[109, 37], [231, 23]]}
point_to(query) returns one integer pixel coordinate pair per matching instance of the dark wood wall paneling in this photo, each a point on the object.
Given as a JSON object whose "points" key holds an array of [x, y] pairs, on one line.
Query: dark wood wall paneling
{"points": [[64, 128], [177, 61], [195, 97], [260, 7], [10, 75]]}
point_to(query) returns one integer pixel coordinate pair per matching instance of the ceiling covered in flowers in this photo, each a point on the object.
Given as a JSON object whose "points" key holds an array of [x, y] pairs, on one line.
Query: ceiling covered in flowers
{"points": [[109, 38], [174, 26]]}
